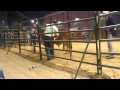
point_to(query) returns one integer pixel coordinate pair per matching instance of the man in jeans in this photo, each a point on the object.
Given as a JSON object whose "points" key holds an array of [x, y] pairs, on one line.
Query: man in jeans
{"points": [[50, 34], [34, 37], [110, 33]]}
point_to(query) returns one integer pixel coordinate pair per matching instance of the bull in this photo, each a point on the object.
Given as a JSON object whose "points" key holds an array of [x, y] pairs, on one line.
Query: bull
{"points": [[64, 36]]}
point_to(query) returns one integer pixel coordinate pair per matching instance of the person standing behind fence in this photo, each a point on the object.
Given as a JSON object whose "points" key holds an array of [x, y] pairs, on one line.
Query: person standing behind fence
{"points": [[2, 74], [27, 37], [110, 33], [0, 39], [33, 37], [50, 44]]}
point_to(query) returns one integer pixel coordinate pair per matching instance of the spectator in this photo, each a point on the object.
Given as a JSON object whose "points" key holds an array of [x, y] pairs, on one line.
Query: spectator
{"points": [[1, 74], [110, 34], [33, 37]]}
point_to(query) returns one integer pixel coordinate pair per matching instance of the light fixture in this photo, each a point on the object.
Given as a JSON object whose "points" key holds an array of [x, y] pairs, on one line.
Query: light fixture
{"points": [[32, 21], [59, 22], [76, 19]]}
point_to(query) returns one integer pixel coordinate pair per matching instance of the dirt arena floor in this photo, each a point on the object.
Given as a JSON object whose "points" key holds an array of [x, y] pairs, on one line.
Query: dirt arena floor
{"points": [[89, 71], [17, 67]]}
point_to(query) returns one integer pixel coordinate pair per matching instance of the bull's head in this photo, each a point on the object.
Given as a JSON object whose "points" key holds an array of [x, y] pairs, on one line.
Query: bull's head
{"points": [[58, 43]]}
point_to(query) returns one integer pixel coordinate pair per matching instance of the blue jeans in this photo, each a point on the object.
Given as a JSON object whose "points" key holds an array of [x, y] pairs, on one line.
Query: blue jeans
{"points": [[1, 74], [33, 42], [110, 45], [49, 44]]}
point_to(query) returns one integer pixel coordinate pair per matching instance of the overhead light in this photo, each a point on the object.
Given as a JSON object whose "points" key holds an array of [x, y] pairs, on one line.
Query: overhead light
{"points": [[106, 12], [59, 22], [32, 21], [76, 19]]}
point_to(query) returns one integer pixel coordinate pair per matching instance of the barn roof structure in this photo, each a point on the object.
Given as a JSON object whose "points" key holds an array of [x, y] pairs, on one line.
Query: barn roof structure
{"points": [[14, 16]]}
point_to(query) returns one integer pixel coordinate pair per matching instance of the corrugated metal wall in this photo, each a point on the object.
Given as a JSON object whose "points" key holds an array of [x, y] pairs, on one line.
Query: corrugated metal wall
{"points": [[72, 14]]}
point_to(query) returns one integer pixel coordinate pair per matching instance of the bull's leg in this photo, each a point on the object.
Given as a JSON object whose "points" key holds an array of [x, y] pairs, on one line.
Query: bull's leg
{"points": [[71, 52], [67, 48], [63, 45], [66, 51]]}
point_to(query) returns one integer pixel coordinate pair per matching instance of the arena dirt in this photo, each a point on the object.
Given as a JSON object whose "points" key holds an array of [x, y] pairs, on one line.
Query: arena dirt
{"points": [[86, 70]]}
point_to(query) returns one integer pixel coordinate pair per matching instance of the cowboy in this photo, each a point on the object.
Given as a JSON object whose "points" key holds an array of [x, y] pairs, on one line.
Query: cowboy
{"points": [[50, 34]]}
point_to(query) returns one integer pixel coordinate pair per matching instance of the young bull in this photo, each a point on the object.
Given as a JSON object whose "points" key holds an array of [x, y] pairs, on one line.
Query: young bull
{"points": [[64, 36]]}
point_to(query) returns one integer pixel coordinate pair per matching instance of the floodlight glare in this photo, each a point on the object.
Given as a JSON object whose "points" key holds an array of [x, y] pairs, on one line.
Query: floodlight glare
{"points": [[32, 21]]}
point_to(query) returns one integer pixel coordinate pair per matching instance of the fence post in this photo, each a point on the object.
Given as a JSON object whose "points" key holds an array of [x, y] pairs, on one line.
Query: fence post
{"points": [[19, 27], [70, 44], [39, 40], [97, 36]]}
